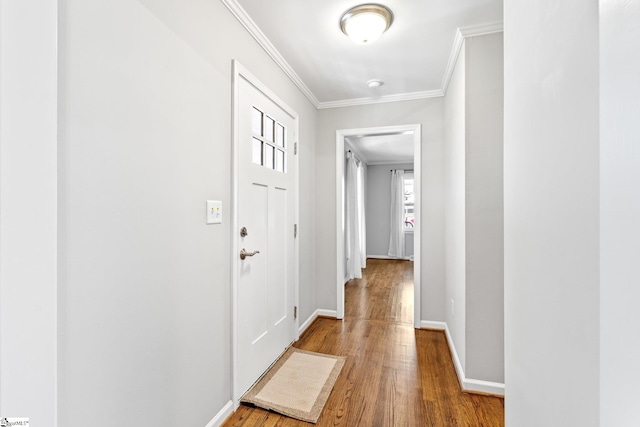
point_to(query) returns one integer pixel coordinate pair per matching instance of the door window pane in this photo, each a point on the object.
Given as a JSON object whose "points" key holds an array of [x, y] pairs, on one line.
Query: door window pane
{"points": [[268, 128], [268, 158], [256, 121], [257, 151], [280, 135], [268, 145], [280, 161]]}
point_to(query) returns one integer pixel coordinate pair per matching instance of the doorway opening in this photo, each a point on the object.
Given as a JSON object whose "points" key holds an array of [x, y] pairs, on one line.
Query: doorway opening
{"points": [[345, 138]]}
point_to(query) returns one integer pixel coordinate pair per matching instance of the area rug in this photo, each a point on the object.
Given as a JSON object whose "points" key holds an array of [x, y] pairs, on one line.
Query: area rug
{"points": [[297, 385]]}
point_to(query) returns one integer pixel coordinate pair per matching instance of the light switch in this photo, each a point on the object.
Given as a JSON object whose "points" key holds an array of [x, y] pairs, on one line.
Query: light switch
{"points": [[214, 212]]}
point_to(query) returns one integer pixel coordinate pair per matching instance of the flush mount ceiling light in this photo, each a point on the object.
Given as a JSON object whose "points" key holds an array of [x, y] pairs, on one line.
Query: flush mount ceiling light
{"points": [[375, 84], [365, 23]]}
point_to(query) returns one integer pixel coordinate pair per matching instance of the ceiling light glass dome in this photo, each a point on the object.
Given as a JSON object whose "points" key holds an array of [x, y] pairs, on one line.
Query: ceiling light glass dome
{"points": [[366, 23]]}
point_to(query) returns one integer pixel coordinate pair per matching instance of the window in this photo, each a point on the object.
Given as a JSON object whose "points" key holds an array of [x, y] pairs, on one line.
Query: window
{"points": [[268, 142], [409, 216]]}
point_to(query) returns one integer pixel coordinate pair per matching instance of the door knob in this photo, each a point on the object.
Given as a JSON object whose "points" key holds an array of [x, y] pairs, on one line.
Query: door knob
{"points": [[244, 254]]}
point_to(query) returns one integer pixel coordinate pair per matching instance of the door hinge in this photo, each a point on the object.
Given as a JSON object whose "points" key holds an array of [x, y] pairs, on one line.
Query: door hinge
{"points": [[295, 148], [295, 230], [295, 311]]}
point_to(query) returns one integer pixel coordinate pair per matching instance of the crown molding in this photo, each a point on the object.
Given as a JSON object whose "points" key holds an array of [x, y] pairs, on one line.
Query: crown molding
{"points": [[387, 98], [461, 34], [481, 29], [248, 23], [453, 58]]}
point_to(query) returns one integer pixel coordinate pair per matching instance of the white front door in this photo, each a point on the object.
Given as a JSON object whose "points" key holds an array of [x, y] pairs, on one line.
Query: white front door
{"points": [[266, 197]]}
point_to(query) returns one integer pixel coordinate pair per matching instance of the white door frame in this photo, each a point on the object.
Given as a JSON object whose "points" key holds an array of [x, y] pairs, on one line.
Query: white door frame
{"points": [[417, 140], [240, 73]]}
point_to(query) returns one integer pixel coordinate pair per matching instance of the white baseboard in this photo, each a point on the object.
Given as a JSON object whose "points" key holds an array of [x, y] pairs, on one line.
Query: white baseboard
{"points": [[327, 313], [427, 324], [480, 386], [221, 416], [314, 316], [407, 258], [467, 384], [454, 355], [307, 322]]}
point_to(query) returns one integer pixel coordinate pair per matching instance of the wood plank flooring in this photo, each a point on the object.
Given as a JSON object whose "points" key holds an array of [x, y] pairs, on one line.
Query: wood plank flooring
{"points": [[394, 375]]}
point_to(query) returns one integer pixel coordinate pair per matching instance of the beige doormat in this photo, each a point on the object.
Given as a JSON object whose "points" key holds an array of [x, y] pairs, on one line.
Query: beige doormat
{"points": [[297, 385]]}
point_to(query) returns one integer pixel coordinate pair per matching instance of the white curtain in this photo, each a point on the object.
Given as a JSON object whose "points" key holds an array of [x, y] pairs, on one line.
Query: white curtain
{"points": [[396, 223], [355, 225]]}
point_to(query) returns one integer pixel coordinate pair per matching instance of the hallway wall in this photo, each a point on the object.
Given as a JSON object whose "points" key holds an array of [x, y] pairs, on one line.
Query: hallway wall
{"points": [[474, 210], [455, 208], [619, 213], [485, 208], [552, 193], [145, 134], [28, 210], [574, 321]]}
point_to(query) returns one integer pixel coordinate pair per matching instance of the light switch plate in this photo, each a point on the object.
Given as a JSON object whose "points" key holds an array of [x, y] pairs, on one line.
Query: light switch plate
{"points": [[214, 212]]}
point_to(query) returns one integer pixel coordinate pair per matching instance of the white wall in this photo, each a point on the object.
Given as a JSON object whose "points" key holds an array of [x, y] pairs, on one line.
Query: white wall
{"points": [[378, 212], [28, 218], [619, 213], [455, 234], [145, 96], [484, 221], [426, 112], [408, 243], [474, 209], [551, 195]]}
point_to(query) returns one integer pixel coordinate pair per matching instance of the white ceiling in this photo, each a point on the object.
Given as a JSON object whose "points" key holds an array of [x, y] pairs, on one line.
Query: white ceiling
{"points": [[382, 149], [412, 58]]}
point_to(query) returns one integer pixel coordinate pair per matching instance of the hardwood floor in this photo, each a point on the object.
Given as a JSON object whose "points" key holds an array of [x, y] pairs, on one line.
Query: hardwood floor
{"points": [[394, 375]]}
